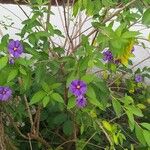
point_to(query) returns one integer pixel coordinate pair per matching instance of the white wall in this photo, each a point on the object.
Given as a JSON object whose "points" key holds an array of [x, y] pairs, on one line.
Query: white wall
{"points": [[12, 13]]}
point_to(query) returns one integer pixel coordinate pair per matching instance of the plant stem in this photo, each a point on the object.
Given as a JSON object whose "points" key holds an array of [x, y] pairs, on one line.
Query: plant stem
{"points": [[109, 139], [2, 134]]}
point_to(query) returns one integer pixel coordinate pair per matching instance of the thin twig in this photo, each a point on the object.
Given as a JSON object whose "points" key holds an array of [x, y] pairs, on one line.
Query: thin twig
{"points": [[109, 139], [59, 11], [22, 9], [67, 27], [30, 144], [81, 25], [9, 26], [29, 112], [82, 32], [37, 119], [89, 139]]}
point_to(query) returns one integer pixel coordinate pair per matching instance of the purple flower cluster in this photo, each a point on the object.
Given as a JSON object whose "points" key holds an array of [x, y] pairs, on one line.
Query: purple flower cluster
{"points": [[79, 88], [15, 49], [5, 93], [81, 101], [138, 78], [107, 56]]}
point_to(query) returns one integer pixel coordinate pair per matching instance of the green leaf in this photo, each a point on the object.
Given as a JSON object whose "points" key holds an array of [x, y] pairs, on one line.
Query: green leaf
{"points": [[37, 97], [24, 62], [70, 79], [146, 17], [90, 8], [55, 85], [85, 3], [120, 29], [39, 73], [68, 127], [147, 136], [128, 100], [71, 102], [82, 129], [107, 125], [42, 34], [22, 70], [75, 9], [61, 118], [26, 81], [100, 84], [46, 100], [45, 87], [131, 119], [141, 106], [117, 107], [92, 98], [146, 125], [32, 38], [3, 62], [130, 34], [115, 137], [139, 134], [13, 73], [90, 92], [95, 102], [39, 1], [58, 32], [91, 63], [88, 78], [57, 97], [107, 3], [135, 110], [4, 42]]}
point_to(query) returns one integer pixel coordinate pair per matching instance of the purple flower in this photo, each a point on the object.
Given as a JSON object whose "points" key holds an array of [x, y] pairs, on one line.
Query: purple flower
{"points": [[78, 87], [81, 101], [138, 78], [107, 56], [11, 61], [5, 93], [133, 49], [117, 61], [15, 48]]}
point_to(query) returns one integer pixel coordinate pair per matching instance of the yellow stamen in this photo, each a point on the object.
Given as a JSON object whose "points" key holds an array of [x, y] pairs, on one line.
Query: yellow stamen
{"points": [[4, 92], [78, 86], [15, 48]]}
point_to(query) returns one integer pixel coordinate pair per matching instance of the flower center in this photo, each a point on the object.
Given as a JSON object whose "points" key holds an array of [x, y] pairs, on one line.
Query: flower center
{"points": [[15, 48], [4, 92], [78, 87]]}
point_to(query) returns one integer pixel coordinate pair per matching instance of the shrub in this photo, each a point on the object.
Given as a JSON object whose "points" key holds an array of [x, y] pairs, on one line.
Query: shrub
{"points": [[82, 92]]}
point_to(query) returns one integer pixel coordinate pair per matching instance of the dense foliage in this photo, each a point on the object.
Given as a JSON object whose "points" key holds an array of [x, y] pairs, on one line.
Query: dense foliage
{"points": [[80, 93]]}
